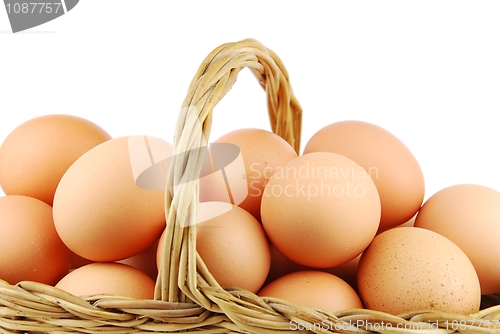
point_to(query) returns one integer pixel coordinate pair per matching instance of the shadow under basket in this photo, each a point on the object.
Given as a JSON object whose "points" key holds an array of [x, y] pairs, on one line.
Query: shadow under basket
{"points": [[187, 297]]}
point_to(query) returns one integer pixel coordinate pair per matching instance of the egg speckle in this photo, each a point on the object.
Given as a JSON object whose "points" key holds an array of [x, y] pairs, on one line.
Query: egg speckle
{"points": [[408, 268], [469, 215]]}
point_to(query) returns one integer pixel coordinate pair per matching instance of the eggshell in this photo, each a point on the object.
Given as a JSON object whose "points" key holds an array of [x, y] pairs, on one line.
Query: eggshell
{"points": [[469, 215], [320, 210], [394, 169], [30, 248], [232, 244], [100, 212], [108, 278], [312, 288], [409, 269], [36, 154], [262, 152]]}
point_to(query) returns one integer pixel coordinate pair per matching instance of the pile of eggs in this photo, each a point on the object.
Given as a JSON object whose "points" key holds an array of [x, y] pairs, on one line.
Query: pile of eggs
{"points": [[342, 225]]}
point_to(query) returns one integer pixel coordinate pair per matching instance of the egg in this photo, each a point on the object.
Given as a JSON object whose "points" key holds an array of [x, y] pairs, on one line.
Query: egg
{"points": [[232, 244], [315, 289], [320, 210], [30, 248], [469, 215], [110, 279], [409, 268], [261, 151], [36, 154], [100, 212], [393, 167]]}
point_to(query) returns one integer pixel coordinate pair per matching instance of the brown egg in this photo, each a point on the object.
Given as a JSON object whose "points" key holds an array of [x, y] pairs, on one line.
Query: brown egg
{"points": [[30, 248], [232, 244], [320, 210], [394, 169], [468, 215], [36, 154], [100, 212], [261, 151], [108, 278], [315, 289], [409, 268]]}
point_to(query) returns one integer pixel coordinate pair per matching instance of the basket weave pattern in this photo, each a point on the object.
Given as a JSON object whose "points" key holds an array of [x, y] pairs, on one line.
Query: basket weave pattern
{"points": [[187, 297]]}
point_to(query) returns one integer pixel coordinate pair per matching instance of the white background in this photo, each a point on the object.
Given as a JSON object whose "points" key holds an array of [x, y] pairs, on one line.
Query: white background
{"points": [[427, 71]]}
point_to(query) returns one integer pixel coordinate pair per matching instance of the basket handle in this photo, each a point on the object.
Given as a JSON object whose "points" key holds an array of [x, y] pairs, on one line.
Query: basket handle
{"points": [[183, 272]]}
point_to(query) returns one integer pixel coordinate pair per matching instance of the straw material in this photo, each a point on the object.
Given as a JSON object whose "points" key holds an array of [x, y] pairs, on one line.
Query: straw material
{"points": [[187, 297]]}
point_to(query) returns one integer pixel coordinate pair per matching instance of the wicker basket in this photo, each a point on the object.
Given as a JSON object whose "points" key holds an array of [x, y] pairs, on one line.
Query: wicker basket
{"points": [[187, 298]]}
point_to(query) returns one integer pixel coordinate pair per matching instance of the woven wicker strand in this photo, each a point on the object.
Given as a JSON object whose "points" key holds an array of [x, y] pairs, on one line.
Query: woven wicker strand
{"points": [[187, 297]]}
